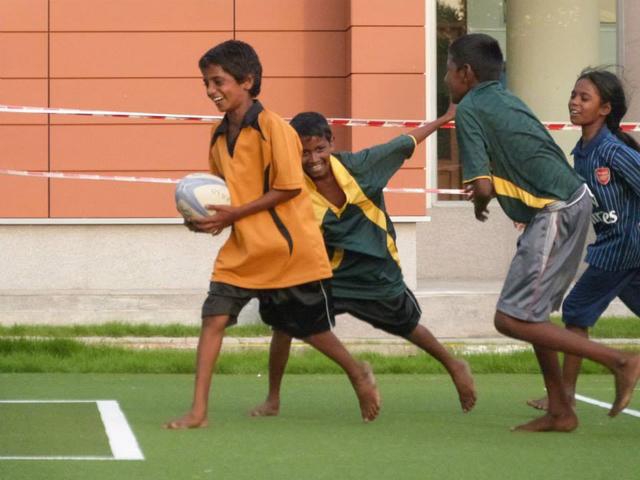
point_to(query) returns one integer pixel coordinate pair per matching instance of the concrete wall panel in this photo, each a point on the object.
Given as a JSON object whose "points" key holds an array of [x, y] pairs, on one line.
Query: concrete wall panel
{"points": [[288, 96], [24, 55], [149, 55], [279, 15], [387, 50], [387, 96], [141, 15], [23, 197], [29, 92], [24, 147], [155, 95], [97, 199], [299, 54], [366, 137], [406, 204], [383, 12], [23, 15], [130, 147]]}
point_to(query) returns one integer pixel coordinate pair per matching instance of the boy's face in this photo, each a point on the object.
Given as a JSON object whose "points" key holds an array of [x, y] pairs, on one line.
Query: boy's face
{"points": [[457, 81], [316, 154], [224, 90]]}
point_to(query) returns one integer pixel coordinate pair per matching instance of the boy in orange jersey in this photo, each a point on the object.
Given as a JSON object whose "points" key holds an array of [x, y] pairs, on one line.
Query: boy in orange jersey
{"points": [[275, 250]]}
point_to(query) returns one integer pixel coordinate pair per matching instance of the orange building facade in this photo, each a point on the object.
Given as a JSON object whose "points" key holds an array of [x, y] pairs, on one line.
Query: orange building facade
{"points": [[344, 58]]}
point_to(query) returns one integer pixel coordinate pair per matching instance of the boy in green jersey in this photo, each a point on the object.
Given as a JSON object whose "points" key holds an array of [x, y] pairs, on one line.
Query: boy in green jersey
{"points": [[347, 195], [507, 153]]}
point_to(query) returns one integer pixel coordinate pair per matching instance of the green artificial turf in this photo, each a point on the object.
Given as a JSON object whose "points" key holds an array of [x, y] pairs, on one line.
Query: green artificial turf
{"points": [[52, 429], [420, 434]]}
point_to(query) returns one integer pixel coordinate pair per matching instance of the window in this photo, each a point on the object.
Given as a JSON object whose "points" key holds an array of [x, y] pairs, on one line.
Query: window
{"points": [[457, 17]]}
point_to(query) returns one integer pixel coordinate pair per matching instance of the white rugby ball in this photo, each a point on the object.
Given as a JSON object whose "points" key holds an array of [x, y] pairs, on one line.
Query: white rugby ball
{"points": [[196, 190]]}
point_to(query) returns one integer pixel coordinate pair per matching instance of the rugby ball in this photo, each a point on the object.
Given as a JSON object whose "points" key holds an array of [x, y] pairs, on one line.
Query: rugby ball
{"points": [[197, 190]]}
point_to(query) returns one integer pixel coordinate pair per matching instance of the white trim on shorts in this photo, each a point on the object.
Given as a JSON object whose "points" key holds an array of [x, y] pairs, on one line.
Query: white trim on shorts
{"points": [[326, 305], [413, 298]]}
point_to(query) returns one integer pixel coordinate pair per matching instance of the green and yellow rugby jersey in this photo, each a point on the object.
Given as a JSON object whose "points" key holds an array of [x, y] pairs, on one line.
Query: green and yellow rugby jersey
{"points": [[359, 236], [501, 139]]}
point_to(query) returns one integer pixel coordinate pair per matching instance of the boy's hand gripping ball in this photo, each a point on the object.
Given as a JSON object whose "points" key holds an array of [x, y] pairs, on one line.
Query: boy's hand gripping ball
{"points": [[197, 190]]}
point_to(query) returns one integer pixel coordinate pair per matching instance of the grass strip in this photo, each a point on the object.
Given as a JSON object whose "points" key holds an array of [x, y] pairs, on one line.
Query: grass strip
{"points": [[607, 327], [71, 356], [611, 327], [122, 329]]}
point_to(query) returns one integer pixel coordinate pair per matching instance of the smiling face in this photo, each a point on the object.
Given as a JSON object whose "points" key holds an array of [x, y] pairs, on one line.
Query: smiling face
{"points": [[316, 154], [225, 91], [586, 106]]}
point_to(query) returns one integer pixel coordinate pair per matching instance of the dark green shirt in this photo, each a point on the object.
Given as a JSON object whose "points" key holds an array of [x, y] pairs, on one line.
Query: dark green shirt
{"points": [[500, 138], [359, 236]]}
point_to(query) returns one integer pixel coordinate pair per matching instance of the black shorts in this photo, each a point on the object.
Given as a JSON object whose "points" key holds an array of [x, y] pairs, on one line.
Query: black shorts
{"points": [[398, 316], [300, 311]]}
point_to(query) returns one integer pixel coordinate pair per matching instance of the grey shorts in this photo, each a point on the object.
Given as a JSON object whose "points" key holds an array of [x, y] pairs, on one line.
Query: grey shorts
{"points": [[547, 258]]}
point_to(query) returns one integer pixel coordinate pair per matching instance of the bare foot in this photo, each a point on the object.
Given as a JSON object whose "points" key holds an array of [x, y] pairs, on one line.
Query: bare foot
{"points": [[550, 423], [269, 408], [543, 403], [539, 404], [367, 392], [462, 379], [189, 420], [626, 378]]}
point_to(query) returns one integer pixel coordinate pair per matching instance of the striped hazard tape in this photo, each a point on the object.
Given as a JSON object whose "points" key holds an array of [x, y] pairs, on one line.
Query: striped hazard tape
{"points": [[192, 118], [348, 122], [120, 178]]}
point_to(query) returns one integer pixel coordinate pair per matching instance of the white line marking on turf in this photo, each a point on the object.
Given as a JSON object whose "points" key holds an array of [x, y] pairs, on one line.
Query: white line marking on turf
{"points": [[56, 458], [49, 401], [598, 403], [122, 440]]}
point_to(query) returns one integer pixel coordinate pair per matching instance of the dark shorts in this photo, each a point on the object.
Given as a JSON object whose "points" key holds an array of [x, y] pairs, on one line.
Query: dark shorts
{"points": [[595, 290], [546, 260], [398, 316], [299, 311]]}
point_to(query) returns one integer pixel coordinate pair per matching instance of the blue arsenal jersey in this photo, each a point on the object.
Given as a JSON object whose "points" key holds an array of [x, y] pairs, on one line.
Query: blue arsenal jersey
{"points": [[612, 171]]}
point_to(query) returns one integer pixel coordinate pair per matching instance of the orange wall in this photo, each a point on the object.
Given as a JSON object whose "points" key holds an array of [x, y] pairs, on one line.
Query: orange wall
{"points": [[345, 58]]}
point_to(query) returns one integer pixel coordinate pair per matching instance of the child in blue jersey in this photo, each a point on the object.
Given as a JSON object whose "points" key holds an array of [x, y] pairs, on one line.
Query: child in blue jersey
{"points": [[609, 160], [346, 189], [507, 153]]}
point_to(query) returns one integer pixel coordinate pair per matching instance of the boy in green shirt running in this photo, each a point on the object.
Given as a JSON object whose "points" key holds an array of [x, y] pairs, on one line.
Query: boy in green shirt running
{"points": [[347, 194], [506, 152]]}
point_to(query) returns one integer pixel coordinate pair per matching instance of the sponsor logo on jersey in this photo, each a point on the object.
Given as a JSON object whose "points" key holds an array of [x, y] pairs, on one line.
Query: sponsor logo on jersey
{"points": [[603, 175], [604, 217]]}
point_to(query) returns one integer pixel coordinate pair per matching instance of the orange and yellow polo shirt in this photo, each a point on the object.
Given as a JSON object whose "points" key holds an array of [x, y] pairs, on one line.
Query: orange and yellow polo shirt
{"points": [[276, 248]]}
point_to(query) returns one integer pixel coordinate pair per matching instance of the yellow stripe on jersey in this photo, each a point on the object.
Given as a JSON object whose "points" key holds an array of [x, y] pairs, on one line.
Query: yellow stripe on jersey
{"points": [[336, 259], [507, 189], [355, 196]]}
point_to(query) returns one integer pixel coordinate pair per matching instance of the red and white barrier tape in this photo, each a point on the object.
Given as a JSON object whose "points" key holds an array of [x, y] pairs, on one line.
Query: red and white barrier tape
{"points": [[119, 178], [348, 122], [87, 176], [107, 113]]}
